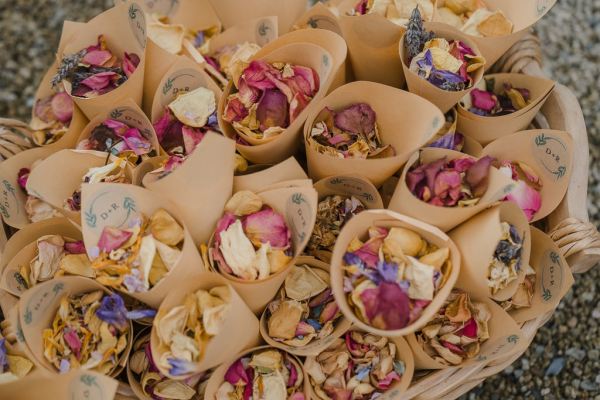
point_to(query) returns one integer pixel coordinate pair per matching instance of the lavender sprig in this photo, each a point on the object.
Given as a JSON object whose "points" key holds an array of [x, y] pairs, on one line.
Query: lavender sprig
{"points": [[416, 35], [67, 66]]}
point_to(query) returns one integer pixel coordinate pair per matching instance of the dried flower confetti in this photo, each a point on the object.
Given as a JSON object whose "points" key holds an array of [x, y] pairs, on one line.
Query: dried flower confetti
{"points": [[523, 297], [53, 116], [505, 266], [474, 18], [494, 103], [396, 11], [230, 61], [13, 366], [526, 194], [119, 139], [37, 210]]}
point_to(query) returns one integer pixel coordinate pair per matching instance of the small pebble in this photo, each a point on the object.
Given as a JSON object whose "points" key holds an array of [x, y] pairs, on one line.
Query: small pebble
{"points": [[556, 366]]}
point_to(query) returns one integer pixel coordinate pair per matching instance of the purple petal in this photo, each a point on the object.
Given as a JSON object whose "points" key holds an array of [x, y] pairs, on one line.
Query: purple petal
{"points": [[358, 118], [272, 110]]}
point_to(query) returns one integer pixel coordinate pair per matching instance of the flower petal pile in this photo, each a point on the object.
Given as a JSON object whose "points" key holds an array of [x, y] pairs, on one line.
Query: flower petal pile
{"points": [[505, 266], [230, 61], [393, 276], [474, 18], [492, 103], [117, 138], [54, 114], [523, 298], [37, 210], [528, 186], [396, 11]]}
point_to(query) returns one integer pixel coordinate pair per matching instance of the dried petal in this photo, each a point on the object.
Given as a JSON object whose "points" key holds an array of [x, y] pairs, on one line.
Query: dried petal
{"points": [[267, 226], [112, 238]]}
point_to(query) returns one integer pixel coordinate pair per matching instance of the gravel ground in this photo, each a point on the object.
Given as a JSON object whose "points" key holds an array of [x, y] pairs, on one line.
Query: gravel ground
{"points": [[564, 359]]}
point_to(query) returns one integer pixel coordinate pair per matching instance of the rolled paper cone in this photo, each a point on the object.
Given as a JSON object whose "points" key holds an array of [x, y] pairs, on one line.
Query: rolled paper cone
{"points": [[477, 240], [145, 167], [76, 384], [357, 227], [324, 52], [317, 345], [158, 62], [12, 196], [444, 99], [548, 152], [445, 218], [116, 205], [201, 186], [421, 120], [387, 190], [472, 147], [288, 184], [134, 384], [260, 31], [10, 307], [38, 307], [239, 330], [218, 376], [505, 339], [553, 278], [233, 12], [403, 353], [287, 170], [193, 14], [124, 29], [71, 166], [298, 206], [487, 129], [319, 16]]}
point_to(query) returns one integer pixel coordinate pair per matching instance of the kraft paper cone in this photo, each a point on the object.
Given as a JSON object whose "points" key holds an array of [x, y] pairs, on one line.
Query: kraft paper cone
{"points": [[193, 14], [403, 353], [261, 31], [38, 307], [357, 227], [445, 218], [201, 186], [238, 332], [287, 170], [124, 28], [472, 147], [444, 99], [553, 277], [145, 167], [158, 62], [71, 166], [127, 112], [298, 205], [319, 16], [297, 183], [218, 376], [233, 12], [548, 152], [10, 307], [505, 339], [116, 205], [323, 51], [12, 197], [477, 240], [316, 346], [77, 384], [421, 120], [487, 129]]}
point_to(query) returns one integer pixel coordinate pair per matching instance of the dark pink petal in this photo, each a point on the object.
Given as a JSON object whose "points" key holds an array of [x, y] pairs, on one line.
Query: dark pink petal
{"points": [[130, 63], [293, 375], [483, 100], [236, 374], [162, 125], [248, 392], [267, 226], [272, 110], [447, 186], [235, 111], [297, 105], [478, 176], [97, 58], [22, 177], [358, 118], [73, 342], [246, 94], [527, 198], [173, 162], [100, 80], [256, 75], [75, 247], [136, 142], [305, 81], [191, 138], [470, 328], [369, 252], [452, 347], [462, 164], [387, 306], [389, 379], [62, 107], [112, 238], [432, 170]]}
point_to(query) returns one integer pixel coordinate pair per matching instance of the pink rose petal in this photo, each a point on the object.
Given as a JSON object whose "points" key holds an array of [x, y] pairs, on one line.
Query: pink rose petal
{"points": [[452, 347], [75, 247], [191, 138], [112, 238], [359, 119], [470, 328], [100, 80], [387, 306], [272, 110], [73, 342], [236, 374], [130, 63], [235, 111], [22, 177], [267, 226], [483, 100], [136, 142], [62, 107], [527, 198], [97, 58]]}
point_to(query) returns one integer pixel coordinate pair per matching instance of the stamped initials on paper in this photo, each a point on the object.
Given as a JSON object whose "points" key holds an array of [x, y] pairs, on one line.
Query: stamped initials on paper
{"points": [[552, 155], [551, 276], [86, 388]]}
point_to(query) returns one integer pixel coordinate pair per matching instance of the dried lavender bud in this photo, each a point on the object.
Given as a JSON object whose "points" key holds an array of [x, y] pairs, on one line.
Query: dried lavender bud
{"points": [[416, 35], [67, 66]]}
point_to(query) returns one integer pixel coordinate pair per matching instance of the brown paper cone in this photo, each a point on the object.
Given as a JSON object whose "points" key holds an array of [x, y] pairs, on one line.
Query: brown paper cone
{"points": [[158, 62], [323, 51], [233, 12], [145, 167], [548, 152], [12, 197], [357, 227], [421, 119], [238, 332], [298, 205], [38, 307], [124, 28], [319, 16], [553, 277], [193, 14], [472, 147], [115, 205], [71, 166], [487, 129], [505, 339], [261, 31], [316, 346], [445, 218], [77, 384], [218, 376], [287, 170], [403, 353], [444, 99], [10, 309], [477, 240], [297, 183], [201, 186]]}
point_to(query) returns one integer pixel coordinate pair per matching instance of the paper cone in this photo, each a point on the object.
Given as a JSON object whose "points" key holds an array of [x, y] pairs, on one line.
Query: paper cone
{"points": [[287, 170], [548, 152], [124, 28], [445, 218], [238, 332], [472, 147], [487, 129], [403, 353], [116, 205], [77, 384], [38, 307], [553, 277], [233, 12], [298, 206], [128, 113], [71, 166], [505, 339], [316, 346], [420, 118], [193, 14], [261, 31], [444, 99], [201, 186], [357, 227], [12, 197], [12, 327], [477, 240], [323, 51], [297, 183], [319, 16], [158, 62], [145, 167], [218, 376]]}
